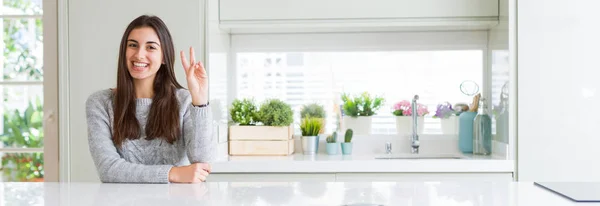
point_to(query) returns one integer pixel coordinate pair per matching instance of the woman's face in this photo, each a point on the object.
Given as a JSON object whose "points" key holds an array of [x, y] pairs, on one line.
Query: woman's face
{"points": [[144, 53]]}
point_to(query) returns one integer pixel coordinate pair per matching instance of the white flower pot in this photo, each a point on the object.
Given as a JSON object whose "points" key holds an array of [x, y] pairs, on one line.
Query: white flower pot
{"points": [[404, 125], [450, 125], [359, 125]]}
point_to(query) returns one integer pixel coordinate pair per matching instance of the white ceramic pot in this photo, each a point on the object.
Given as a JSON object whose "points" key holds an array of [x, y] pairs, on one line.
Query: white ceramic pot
{"points": [[404, 125], [450, 125], [359, 125]]}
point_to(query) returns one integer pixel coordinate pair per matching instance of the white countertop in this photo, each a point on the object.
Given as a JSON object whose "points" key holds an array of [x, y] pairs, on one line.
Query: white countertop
{"points": [[284, 193], [299, 163]]}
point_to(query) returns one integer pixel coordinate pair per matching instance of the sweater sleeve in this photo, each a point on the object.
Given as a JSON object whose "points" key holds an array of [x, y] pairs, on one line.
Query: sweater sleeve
{"points": [[198, 133], [110, 165]]}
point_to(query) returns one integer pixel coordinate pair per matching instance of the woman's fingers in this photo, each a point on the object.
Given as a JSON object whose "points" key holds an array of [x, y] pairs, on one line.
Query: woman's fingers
{"points": [[186, 65], [201, 175], [192, 56], [206, 167]]}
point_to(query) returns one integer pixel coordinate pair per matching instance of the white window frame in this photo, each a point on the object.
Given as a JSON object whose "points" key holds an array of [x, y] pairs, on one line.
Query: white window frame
{"points": [[361, 41]]}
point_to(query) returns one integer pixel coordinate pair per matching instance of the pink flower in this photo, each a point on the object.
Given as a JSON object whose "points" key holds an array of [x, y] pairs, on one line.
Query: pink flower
{"points": [[403, 108], [422, 110], [403, 105]]}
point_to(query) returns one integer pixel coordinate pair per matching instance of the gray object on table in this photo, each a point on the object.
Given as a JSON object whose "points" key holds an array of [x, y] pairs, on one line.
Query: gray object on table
{"points": [[575, 191]]}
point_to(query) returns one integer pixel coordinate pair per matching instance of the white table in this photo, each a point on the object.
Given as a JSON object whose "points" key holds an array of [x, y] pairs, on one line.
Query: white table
{"points": [[281, 193]]}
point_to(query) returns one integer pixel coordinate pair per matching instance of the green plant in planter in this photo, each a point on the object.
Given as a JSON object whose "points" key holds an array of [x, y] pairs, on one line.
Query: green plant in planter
{"points": [[310, 126], [244, 111], [23, 130], [312, 110], [332, 138], [348, 136], [332, 145], [361, 105], [274, 112], [347, 144]]}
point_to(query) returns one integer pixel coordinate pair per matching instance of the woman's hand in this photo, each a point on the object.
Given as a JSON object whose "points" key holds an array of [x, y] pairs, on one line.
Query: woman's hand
{"points": [[193, 173], [197, 78]]}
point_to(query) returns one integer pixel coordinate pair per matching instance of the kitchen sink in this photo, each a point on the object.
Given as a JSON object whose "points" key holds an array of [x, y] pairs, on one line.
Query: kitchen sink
{"points": [[420, 156]]}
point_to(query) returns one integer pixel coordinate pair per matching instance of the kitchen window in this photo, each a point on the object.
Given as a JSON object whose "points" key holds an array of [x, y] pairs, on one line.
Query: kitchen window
{"points": [[317, 68]]}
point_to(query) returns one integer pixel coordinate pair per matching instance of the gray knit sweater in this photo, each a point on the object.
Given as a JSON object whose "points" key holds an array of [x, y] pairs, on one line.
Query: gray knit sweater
{"points": [[146, 161]]}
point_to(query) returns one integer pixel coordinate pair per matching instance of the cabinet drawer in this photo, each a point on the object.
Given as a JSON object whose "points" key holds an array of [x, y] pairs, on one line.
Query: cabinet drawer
{"points": [[271, 177]]}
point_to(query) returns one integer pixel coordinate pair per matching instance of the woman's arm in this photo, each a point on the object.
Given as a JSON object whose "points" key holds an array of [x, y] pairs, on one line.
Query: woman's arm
{"points": [[109, 164], [198, 132], [197, 127]]}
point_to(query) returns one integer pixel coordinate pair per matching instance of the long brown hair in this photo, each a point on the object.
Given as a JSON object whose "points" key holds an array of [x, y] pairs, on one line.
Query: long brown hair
{"points": [[163, 120]]}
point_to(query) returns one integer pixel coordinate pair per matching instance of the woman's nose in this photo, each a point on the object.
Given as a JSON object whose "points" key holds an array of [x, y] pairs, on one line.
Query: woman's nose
{"points": [[140, 54]]}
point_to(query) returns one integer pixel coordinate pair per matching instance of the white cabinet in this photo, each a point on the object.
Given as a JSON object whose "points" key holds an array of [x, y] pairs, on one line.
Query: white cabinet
{"points": [[271, 177], [353, 177], [400, 177], [236, 10], [245, 14]]}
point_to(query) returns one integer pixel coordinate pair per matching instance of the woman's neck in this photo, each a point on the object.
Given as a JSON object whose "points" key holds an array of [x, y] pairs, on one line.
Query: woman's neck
{"points": [[144, 88]]}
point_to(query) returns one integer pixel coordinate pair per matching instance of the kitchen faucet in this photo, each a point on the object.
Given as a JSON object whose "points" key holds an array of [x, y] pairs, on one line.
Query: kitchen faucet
{"points": [[415, 136]]}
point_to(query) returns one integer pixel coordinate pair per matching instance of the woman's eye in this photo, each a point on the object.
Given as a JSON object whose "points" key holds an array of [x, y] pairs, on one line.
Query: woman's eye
{"points": [[151, 47], [132, 45]]}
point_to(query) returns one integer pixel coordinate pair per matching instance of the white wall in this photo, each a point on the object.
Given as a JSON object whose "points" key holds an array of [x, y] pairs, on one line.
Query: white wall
{"points": [[218, 58], [558, 75], [94, 33]]}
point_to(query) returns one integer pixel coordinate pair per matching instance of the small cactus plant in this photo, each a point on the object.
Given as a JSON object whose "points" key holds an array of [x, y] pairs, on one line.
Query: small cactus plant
{"points": [[348, 136], [332, 138]]}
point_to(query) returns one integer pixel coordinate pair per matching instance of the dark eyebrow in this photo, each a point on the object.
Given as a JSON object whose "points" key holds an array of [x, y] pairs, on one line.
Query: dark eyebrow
{"points": [[152, 42], [149, 42]]}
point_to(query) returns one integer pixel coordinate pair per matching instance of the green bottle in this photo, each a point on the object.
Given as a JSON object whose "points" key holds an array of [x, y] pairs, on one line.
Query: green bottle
{"points": [[482, 131]]}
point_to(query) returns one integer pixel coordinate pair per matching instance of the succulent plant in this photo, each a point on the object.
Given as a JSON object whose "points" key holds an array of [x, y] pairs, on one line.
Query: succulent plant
{"points": [[332, 138], [348, 136]]}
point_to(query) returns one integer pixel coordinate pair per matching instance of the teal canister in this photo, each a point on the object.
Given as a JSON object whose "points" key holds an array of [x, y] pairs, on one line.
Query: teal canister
{"points": [[465, 131], [482, 132]]}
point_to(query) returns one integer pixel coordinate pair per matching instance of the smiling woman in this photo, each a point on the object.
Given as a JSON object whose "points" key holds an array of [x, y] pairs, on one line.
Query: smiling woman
{"points": [[144, 54], [149, 128]]}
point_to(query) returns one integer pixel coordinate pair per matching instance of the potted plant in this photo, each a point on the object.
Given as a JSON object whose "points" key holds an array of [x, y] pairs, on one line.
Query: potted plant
{"points": [[266, 131], [404, 121], [314, 110], [448, 118], [347, 144], [332, 145], [310, 127], [358, 111], [23, 130], [274, 112], [243, 112]]}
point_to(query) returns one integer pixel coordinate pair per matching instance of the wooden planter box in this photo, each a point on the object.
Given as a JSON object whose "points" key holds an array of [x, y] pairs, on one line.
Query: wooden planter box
{"points": [[261, 140]]}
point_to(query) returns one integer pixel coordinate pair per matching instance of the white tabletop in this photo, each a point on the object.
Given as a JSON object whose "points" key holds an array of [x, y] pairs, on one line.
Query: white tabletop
{"points": [[286, 193]]}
